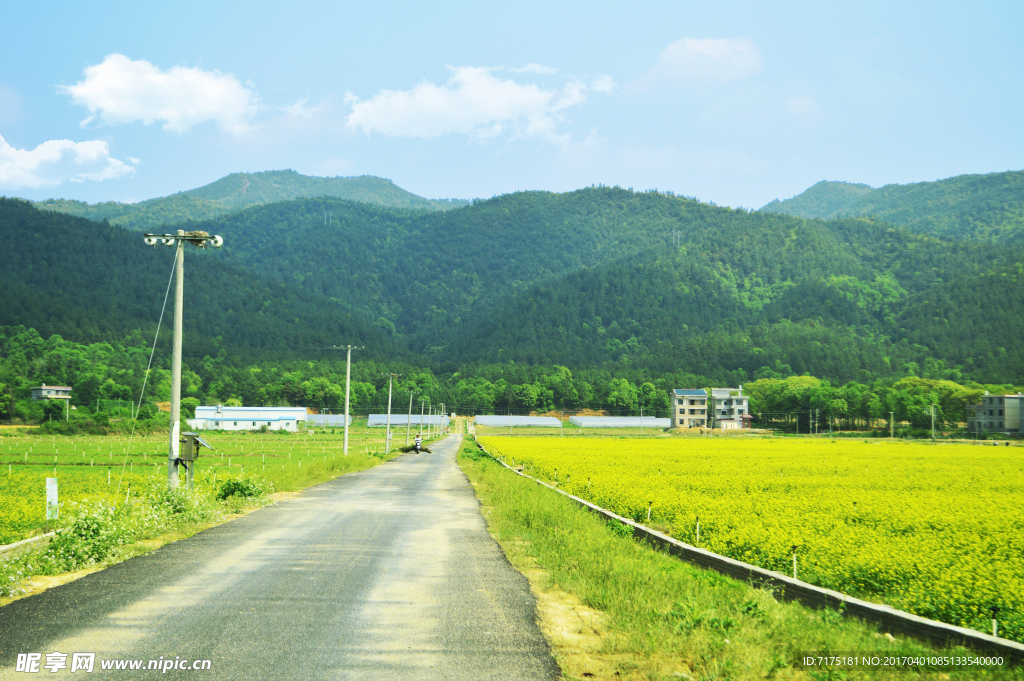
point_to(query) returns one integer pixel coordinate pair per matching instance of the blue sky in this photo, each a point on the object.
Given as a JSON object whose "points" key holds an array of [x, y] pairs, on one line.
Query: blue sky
{"points": [[732, 102]]}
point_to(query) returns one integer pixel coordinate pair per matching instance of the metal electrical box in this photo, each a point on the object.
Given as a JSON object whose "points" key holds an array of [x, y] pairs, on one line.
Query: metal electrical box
{"points": [[190, 444]]}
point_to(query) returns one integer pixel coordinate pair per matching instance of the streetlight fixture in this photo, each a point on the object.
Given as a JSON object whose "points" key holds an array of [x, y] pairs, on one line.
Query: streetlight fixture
{"points": [[198, 239]]}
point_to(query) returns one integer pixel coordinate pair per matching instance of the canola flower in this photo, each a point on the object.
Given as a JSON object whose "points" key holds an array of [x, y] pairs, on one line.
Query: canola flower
{"points": [[936, 530]]}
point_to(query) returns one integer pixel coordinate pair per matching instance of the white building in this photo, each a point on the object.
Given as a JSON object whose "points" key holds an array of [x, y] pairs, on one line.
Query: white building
{"points": [[247, 418], [996, 413], [730, 408], [51, 392]]}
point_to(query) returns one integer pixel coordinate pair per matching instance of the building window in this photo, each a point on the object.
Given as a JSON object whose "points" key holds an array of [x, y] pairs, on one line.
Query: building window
{"points": [[1000, 424], [1000, 412], [253, 424]]}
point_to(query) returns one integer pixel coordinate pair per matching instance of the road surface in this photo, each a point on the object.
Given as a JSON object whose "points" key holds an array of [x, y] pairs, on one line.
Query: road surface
{"points": [[384, 574]]}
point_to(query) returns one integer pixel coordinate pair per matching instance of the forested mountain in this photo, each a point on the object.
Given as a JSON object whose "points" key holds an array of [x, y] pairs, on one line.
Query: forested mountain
{"points": [[850, 299], [240, 190], [600, 277], [93, 282], [985, 207]]}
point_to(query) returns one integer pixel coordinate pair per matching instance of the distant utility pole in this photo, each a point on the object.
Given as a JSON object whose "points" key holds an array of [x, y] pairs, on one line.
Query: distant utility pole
{"points": [[933, 421], [423, 404], [199, 239], [408, 422], [387, 436], [891, 424], [348, 380]]}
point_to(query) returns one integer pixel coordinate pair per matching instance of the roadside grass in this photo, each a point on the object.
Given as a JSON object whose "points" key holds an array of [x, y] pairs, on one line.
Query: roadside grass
{"points": [[102, 523], [666, 619]]}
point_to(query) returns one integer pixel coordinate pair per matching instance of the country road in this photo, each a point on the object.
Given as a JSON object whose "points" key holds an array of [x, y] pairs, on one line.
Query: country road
{"points": [[388, 573]]}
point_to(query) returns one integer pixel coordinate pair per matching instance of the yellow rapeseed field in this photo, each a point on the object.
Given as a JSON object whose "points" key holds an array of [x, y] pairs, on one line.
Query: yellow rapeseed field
{"points": [[937, 530]]}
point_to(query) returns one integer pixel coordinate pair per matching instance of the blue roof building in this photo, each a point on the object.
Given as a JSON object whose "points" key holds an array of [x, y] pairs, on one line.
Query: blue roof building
{"points": [[689, 408]]}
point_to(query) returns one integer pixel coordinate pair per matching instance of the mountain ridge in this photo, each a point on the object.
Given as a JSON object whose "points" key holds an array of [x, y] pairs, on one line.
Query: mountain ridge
{"points": [[240, 190], [987, 207], [600, 276]]}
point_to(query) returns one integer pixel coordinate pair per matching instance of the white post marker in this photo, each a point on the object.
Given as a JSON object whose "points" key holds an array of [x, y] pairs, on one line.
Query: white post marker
{"points": [[52, 505]]}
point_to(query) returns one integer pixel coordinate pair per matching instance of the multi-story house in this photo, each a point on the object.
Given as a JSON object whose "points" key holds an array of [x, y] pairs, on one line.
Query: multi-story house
{"points": [[51, 392], [689, 408], [996, 413], [729, 408]]}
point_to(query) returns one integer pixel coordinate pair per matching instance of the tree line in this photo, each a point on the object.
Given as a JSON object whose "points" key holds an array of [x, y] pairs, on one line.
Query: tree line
{"points": [[115, 371]]}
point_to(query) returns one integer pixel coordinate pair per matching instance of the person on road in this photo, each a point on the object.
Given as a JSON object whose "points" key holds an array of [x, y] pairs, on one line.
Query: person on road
{"points": [[418, 442]]}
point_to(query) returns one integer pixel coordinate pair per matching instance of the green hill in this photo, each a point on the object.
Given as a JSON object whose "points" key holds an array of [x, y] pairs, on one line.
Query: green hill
{"points": [[92, 282], [591, 277], [824, 200], [240, 190], [599, 277], [984, 207]]}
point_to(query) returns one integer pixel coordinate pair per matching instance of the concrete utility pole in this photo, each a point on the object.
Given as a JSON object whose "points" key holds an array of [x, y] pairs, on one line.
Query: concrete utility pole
{"points": [[408, 422], [891, 423], [933, 421], [199, 239], [348, 380], [387, 436], [423, 404], [387, 439]]}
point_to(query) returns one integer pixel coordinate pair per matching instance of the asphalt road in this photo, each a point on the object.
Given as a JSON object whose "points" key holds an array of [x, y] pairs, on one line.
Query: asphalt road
{"points": [[384, 574]]}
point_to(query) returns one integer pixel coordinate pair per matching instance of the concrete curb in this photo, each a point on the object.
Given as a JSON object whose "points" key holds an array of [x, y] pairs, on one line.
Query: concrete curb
{"points": [[891, 619], [25, 544]]}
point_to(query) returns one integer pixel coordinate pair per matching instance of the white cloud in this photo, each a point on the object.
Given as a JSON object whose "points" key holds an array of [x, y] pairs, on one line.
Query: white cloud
{"points": [[473, 102], [120, 90], [603, 84], [300, 109], [533, 67], [58, 161], [709, 60]]}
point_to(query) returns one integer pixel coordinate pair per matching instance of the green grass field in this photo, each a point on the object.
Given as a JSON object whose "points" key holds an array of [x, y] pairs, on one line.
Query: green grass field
{"points": [[102, 467]]}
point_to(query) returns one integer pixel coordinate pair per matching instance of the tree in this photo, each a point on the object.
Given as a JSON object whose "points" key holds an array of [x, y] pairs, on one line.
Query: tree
{"points": [[622, 396], [54, 410]]}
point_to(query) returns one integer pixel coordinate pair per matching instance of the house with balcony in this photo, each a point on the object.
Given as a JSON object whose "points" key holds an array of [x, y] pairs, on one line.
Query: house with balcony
{"points": [[51, 392], [996, 414], [689, 408], [729, 408]]}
